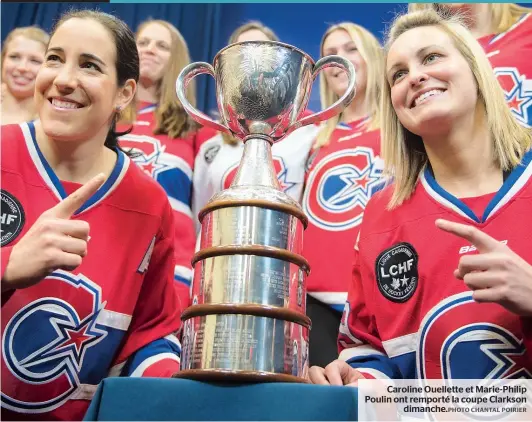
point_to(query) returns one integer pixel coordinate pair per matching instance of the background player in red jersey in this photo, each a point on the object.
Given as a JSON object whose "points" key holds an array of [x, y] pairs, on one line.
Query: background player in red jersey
{"points": [[461, 161], [163, 134], [505, 32], [87, 268], [22, 56], [343, 172]]}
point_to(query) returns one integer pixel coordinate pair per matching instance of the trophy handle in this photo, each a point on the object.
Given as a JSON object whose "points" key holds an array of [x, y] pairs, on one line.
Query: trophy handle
{"points": [[184, 78], [343, 101]]}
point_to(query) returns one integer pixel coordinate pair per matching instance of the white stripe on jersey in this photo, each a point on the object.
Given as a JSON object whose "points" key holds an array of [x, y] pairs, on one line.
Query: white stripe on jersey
{"points": [[330, 298], [113, 319], [401, 345], [357, 351], [180, 206]]}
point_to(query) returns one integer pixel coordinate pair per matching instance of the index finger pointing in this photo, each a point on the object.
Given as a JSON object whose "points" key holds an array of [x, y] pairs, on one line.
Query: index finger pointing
{"points": [[68, 206], [478, 238]]}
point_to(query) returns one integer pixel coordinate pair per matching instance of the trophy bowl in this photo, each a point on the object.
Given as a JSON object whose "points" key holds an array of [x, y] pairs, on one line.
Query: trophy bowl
{"points": [[248, 321]]}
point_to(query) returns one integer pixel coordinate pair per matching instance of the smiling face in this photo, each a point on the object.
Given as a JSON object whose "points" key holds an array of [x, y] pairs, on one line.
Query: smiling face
{"points": [[23, 59], [76, 89], [154, 43], [432, 85], [339, 42]]}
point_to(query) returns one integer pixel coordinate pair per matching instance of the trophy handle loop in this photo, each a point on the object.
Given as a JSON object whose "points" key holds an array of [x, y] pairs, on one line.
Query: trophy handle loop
{"points": [[184, 78], [343, 101]]}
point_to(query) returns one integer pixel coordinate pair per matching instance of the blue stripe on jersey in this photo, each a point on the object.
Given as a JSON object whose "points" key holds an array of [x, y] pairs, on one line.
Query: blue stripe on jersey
{"points": [[104, 189], [378, 362], [517, 178], [176, 184], [109, 184], [508, 184], [156, 347], [54, 179], [406, 364], [147, 109], [447, 196], [184, 280], [339, 308]]}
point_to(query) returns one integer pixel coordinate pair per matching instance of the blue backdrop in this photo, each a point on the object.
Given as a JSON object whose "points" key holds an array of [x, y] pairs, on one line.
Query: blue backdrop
{"points": [[207, 27]]}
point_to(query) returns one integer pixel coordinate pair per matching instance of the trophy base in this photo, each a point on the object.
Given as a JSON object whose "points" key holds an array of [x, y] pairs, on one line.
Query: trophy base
{"points": [[227, 375]]}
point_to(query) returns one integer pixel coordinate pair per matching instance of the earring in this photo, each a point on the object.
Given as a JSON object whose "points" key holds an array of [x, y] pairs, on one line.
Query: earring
{"points": [[118, 109]]}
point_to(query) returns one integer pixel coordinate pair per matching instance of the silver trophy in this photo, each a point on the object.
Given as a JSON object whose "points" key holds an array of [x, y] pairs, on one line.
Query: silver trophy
{"points": [[248, 316]]}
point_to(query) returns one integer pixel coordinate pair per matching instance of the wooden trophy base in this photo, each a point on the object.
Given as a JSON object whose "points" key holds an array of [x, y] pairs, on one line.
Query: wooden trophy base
{"points": [[227, 375]]}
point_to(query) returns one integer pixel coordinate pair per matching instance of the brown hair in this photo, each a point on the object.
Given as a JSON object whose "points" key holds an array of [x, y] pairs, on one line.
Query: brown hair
{"points": [[170, 117]]}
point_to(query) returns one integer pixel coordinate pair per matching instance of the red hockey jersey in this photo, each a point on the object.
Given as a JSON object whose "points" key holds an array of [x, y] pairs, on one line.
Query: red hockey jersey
{"points": [[170, 162], [510, 54], [116, 314], [341, 177], [407, 316]]}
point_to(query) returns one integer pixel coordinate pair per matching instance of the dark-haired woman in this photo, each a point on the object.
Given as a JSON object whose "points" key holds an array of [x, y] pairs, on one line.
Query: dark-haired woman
{"points": [[87, 267]]}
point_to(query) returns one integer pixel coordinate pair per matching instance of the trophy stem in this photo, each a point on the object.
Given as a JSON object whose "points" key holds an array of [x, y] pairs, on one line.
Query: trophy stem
{"points": [[256, 166]]}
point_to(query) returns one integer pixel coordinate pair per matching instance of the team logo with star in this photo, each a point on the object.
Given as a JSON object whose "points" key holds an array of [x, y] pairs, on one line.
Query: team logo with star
{"points": [[340, 186], [518, 96], [46, 342], [460, 339], [279, 166], [147, 152]]}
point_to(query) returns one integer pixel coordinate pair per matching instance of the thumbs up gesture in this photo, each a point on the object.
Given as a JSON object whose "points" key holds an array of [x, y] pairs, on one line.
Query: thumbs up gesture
{"points": [[53, 242], [496, 274]]}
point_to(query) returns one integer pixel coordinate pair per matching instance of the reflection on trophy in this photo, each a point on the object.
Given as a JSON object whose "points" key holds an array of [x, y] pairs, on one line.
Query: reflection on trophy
{"points": [[248, 317]]}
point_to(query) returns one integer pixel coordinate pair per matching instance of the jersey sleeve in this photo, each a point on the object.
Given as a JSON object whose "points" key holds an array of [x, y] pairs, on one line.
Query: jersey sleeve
{"points": [[358, 339], [150, 347]]}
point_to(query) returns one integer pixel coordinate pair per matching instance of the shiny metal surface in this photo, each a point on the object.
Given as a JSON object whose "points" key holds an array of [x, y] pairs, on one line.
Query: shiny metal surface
{"points": [[263, 87], [249, 279], [249, 276], [245, 343], [248, 225]]}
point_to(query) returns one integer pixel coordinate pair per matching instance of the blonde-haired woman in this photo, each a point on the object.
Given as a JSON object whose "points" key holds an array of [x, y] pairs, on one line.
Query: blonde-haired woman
{"points": [[505, 32], [163, 134], [218, 157], [22, 56], [343, 172], [442, 268]]}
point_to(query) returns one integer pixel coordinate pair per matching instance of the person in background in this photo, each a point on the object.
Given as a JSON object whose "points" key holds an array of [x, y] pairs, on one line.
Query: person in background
{"points": [[505, 32], [87, 238], [218, 158], [163, 134], [344, 171], [22, 56], [442, 278]]}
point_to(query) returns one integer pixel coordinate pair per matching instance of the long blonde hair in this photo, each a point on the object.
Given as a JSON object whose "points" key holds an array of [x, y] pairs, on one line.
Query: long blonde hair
{"points": [[403, 152], [33, 33], [249, 26], [170, 116], [372, 53], [503, 15]]}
